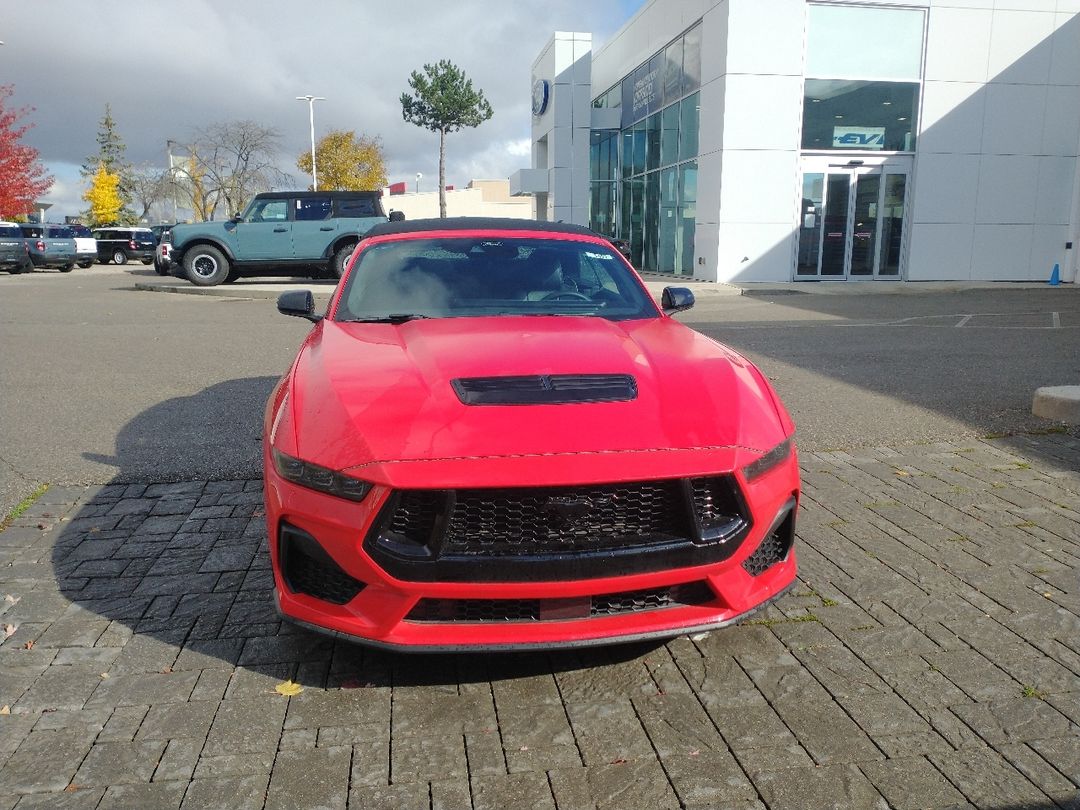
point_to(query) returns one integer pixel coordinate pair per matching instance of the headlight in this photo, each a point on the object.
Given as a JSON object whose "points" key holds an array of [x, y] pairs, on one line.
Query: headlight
{"points": [[319, 478], [769, 461]]}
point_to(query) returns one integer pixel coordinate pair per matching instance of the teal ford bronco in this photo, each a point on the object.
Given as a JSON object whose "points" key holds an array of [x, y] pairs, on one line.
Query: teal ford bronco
{"points": [[280, 233]]}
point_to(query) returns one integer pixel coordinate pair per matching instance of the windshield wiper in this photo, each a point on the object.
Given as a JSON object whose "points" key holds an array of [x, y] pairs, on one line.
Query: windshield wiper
{"points": [[396, 317]]}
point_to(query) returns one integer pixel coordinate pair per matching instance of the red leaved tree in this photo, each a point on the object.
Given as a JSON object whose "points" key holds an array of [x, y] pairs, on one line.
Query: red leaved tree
{"points": [[22, 178]]}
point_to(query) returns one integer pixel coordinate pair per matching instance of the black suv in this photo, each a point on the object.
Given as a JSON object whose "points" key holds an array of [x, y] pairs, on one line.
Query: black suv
{"points": [[280, 232], [120, 245]]}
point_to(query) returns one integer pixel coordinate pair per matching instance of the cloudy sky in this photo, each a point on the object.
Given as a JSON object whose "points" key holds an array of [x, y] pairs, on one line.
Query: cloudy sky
{"points": [[169, 68]]}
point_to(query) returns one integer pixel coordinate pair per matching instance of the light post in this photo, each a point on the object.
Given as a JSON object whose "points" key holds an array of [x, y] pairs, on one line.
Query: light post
{"points": [[419, 177], [310, 99]]}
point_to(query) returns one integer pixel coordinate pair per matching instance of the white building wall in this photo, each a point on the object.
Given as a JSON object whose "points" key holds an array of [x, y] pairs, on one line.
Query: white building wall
{"points": [[996, 165], [561, 134], [995, 190]]}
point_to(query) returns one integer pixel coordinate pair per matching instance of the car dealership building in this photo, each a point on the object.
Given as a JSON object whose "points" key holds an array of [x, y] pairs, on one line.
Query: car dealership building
{"points": [[785, 140]]}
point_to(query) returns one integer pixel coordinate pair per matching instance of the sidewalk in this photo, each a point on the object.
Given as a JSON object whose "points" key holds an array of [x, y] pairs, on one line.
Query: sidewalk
{"points": [[929, 657]]}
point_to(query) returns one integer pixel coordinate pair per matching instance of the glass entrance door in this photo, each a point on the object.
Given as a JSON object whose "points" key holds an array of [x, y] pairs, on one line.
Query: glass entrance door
{"points": [[851, 220]]}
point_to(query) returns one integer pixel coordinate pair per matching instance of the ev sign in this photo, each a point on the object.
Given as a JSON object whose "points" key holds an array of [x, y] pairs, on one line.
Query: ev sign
{"points": [[858, 138]]}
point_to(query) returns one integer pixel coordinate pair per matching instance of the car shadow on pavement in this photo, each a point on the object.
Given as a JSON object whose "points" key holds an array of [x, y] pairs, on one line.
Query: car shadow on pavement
{"points": [[177, 574]]}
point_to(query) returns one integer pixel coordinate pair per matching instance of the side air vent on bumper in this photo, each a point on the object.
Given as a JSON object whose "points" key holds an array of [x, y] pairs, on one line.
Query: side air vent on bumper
{"points": [[308, 569], [775, 547]]}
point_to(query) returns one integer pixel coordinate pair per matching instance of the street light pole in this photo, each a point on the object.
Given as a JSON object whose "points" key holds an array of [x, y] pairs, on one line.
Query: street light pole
{"points": [[310, 99]]}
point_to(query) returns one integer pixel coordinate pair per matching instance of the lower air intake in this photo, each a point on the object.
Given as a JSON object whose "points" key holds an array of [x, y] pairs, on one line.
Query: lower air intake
{"points": [[309, 570]]}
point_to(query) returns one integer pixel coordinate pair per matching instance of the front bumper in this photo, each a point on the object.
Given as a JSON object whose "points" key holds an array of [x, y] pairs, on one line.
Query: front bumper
{"points": [[407, 614]]}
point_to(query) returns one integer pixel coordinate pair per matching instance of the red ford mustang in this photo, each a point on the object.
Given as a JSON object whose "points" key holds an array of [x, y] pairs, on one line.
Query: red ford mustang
{"points": [[495, 439]]}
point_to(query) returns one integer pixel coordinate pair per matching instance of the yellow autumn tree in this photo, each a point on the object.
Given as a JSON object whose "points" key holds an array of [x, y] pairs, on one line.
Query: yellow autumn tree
{"points": [[104, 197], [346, 162]]}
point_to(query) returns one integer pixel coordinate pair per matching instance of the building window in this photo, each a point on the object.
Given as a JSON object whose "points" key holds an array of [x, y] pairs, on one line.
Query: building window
{"points": [[863, 72], [861, 115], [654, 206]]}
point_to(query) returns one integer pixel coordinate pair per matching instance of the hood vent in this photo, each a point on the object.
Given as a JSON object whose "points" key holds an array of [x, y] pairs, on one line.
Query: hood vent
{"points": [[547, 389]]}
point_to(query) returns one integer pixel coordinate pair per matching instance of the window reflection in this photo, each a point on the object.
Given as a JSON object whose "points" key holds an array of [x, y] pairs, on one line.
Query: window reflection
{"points": [[859, 115]]}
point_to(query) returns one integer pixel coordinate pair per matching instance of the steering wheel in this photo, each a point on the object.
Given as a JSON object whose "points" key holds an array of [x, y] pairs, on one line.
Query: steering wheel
{"points": [[560, 294]]}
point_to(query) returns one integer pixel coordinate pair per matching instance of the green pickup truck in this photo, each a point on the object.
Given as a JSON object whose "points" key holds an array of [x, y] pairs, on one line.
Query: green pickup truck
{"points": [[280, 233]]}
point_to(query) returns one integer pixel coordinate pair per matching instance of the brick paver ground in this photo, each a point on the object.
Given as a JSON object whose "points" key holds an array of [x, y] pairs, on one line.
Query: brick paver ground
{"points": [[928, 657]]}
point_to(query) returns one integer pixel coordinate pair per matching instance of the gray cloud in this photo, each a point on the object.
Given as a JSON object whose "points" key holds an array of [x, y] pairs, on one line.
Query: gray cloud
{"points": [[167, 69]]}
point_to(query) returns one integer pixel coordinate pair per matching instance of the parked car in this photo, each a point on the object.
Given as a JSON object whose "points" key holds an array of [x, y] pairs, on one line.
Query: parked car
{"points": [[283, 232], [14, 254], [121, 245], [160, 230], [162, 262], [86, 250], [495, 438], [50, 245]]}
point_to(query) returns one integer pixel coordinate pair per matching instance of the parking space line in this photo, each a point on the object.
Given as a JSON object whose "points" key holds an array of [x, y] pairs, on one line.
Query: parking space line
{"points": [[1055, 320], [964, 320]]}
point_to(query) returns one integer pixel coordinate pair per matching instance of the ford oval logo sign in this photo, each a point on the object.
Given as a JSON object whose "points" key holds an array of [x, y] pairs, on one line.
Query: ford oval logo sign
{"points": [[540, 92]]}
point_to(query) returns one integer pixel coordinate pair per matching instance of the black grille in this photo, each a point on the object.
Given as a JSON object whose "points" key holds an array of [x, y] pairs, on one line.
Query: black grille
{"points": [[558, 532], [534, 610], [773, 549], [308, 569], [548, 389], [498, 522]]}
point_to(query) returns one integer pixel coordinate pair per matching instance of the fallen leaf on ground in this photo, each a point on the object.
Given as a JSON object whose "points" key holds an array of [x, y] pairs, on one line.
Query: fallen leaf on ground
{"points": [[5, 709], [29, 645], [288, 688], [9, 630], [11, 600]]}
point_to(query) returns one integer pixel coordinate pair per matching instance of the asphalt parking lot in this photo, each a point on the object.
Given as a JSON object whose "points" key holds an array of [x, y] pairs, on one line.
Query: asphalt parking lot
{"points": [[928, 657]]}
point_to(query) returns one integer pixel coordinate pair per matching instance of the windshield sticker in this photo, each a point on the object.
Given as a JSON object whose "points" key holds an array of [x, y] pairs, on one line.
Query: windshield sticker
{"points": [[604, 257]]}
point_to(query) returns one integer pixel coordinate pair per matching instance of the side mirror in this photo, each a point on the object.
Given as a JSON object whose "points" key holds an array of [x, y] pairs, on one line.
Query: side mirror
{"points": [[236, 218], [397, 216], [675, 299], [300, 303]]}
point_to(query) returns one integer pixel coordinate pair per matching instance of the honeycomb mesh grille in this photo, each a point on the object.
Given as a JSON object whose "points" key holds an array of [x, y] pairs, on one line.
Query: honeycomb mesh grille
{"points": [[315, 574], [773, 549], [481, 611]]}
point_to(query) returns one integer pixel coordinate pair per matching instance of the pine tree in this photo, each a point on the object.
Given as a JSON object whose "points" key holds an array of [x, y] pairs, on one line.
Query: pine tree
{"points": [[445, 101], [112, 154]]}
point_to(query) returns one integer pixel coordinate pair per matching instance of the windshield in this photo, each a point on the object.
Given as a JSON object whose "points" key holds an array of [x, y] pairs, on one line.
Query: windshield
{"points": [[80, 231], [482, 276], [58, 233]]}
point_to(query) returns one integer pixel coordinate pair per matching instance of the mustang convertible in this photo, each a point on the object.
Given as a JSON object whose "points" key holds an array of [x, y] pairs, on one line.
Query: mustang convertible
{"points": [[495, 439]]}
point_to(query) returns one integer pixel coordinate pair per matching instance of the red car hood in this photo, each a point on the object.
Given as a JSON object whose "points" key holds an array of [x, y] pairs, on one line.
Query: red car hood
{"points": [[366, 397]]}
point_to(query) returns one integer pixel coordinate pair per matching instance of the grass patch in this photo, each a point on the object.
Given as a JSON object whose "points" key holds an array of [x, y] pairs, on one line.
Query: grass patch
{"points": [[960, 538], [880, 504], [864, 627], [827, 602], [22, 506], [1023, 465], [806, 617], [992, 436], [1027, 524], [1048, 431], [1032, 692]]}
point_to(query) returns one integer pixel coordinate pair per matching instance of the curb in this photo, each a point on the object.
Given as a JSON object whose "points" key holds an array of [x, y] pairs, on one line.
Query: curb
{"points": [[1058, 402]]}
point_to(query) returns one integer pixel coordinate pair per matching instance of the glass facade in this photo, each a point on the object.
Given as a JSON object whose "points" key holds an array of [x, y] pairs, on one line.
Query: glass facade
{"points": [[644, 175], [863, 67]]}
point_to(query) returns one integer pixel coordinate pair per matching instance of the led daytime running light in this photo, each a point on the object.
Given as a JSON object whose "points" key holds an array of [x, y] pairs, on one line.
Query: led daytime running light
{"points": [[769, 461], [319, 478]]}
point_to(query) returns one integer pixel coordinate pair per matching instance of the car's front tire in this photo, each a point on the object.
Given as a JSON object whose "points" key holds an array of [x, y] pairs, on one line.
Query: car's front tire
{"points": [[206, 266], [85, 265], [67, 268], [337, 265], [119, 257]]}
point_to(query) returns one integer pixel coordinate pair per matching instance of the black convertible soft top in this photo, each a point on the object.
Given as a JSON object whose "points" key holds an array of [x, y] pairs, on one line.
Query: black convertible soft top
{"points": [[476, 224]]}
